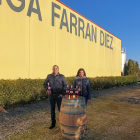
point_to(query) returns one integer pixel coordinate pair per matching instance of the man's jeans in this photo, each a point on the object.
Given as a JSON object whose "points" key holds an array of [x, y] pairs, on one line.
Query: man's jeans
{"points": [[86, 101], [53, 100]]}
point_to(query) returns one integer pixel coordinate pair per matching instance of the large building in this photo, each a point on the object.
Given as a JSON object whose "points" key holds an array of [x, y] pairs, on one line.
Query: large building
{"points": [[36, 34]]}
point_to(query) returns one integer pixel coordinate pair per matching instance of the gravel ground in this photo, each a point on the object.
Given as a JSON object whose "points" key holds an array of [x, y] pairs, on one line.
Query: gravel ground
{"points": [[115, 90], [17, 119]]}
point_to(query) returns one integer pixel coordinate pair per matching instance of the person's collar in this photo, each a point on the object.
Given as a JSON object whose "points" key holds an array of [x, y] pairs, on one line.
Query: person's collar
{"points": [[78, 77], [55, 75]]}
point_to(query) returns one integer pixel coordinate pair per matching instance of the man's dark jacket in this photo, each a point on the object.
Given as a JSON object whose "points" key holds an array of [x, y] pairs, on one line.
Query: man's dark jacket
{"points": [[57, 83]]}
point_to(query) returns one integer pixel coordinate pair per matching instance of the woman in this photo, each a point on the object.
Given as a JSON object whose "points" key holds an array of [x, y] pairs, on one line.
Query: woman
{"points": [[81, 79]]}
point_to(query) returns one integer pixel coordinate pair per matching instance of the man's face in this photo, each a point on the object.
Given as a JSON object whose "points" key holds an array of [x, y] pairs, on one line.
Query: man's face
{"points": [[55, 70]]}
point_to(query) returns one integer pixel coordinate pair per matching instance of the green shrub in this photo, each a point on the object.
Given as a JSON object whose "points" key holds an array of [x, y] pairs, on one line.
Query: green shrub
{"points": [[21, 91], [14, 92]]}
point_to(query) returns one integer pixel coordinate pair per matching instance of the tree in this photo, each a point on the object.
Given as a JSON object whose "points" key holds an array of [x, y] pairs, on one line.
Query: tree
{"points": [[136, 67], [139, 74], [132, 68], [125, 69]]}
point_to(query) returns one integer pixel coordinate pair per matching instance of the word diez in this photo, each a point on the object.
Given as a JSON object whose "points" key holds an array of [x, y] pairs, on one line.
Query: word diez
{"points": [[78, 24]]}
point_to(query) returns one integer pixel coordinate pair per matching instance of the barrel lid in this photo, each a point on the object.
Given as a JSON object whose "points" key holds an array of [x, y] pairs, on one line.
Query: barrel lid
{"points": [[80, 99]]}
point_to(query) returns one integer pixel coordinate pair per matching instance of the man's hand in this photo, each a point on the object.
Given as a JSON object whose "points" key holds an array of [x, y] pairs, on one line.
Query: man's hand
{"points": [[88, 100], [60, 95], [48, 92]]}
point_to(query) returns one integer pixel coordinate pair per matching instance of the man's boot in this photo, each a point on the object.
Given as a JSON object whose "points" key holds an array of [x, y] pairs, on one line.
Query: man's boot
{"points": [[52, 126]]}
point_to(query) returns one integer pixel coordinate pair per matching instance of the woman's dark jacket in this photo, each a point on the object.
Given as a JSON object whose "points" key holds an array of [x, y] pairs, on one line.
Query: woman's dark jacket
{"points": [[85, 90]]}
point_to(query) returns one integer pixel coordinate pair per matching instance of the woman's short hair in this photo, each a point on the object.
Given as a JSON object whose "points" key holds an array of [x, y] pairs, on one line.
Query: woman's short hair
{"points": [[81, 69], [55, 66]]}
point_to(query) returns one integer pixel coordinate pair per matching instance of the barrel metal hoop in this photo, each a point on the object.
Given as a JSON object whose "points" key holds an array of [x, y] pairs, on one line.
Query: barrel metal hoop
{"points": [[73, 104], [73, 134], [73, 126], [75, 113], [80, 100], [72, 139], [72, 101]]}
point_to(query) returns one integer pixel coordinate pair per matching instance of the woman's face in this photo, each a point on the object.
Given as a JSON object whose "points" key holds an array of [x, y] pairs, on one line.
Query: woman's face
{"points": [[81, 73]]}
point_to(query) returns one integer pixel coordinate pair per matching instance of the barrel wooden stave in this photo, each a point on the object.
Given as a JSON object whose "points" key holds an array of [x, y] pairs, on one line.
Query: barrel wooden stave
{"points": [[73, 118], [73, 130], [70, 107], [73, 137]]}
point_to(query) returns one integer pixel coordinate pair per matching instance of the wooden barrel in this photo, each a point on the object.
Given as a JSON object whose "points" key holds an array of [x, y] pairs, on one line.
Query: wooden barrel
{"points": [[73, 118]]}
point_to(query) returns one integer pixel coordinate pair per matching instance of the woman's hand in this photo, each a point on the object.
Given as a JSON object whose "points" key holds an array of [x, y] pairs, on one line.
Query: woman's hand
{"points": [[48, 92], [79, 89]]}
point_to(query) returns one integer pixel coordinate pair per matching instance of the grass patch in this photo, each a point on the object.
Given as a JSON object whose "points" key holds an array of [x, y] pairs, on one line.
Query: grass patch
{"points": [[108, 119]]}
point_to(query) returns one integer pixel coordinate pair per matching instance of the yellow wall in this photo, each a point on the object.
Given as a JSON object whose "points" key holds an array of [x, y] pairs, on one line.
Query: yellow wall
{"points": [[30, 47]]}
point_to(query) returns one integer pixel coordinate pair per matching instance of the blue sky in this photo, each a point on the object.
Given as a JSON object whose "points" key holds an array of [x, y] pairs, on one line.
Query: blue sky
{"points": [[120, 17]]}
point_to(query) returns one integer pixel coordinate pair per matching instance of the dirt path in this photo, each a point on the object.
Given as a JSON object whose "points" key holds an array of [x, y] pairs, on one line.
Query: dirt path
{"points": [[19, 119]]}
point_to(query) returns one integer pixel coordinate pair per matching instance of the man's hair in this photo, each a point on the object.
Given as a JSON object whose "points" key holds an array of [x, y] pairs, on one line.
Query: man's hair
{"points": [[55, 66]]}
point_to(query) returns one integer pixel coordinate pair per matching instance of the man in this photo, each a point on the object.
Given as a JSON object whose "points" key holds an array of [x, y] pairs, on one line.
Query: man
{"points": [[58, 86]]}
